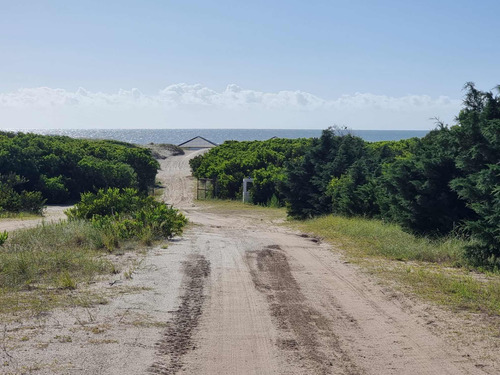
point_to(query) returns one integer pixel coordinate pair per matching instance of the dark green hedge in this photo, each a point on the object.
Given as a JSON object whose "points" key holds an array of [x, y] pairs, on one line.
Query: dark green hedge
{"points": [[62, 167], [447, 181]]}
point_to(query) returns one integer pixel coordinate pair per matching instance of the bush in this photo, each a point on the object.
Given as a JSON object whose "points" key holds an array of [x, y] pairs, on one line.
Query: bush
{"points": [[32, 201], [264, 161], [54, 189], [12, 200], [478, 160], [63, 167], [418, 192], [306, 185], [3, 237], [106, 202], [128, 214]]}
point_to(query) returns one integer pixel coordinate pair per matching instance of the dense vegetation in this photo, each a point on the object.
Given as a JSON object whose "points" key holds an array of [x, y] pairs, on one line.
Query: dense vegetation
{"points": [[126, 213], [265, 161], [448, 181], [341, 166], [12, 200], [37, 168]]}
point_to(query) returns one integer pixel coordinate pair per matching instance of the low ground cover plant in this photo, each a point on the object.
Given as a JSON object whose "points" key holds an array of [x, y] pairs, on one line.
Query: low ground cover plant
{"points": [[3, 237]]}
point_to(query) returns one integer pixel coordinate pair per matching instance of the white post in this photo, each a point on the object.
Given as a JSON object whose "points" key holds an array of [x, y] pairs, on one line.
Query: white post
{"points": [[246, 193]]}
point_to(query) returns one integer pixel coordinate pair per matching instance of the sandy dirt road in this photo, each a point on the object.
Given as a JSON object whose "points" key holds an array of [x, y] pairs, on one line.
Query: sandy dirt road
{"points": [[276, 302], [51, 214], [239, 294]]}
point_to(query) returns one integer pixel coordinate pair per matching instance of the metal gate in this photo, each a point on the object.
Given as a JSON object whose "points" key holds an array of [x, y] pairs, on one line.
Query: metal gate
{"points": [[206, 188]]}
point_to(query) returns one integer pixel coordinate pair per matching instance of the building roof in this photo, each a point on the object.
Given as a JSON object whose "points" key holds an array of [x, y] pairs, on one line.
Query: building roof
{"points": [[198, 142]]}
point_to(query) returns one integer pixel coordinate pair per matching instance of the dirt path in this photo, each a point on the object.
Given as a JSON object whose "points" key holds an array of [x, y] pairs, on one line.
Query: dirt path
{"points": [[278, 303], [238, 294], [175, 175], [51, 213]]}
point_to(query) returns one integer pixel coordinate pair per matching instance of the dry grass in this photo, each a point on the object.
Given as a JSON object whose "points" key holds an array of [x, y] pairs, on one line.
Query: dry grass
{"points": [[51, 266], [55, 255], [37, 302]]}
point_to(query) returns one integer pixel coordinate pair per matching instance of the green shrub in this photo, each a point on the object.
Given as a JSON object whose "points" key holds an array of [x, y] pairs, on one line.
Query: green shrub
{"points": [[32, 201], [478, 160], [330, 156], [106, 202], [128, 214], [3, 237], [13, 198], [54, 189], [265, 161], [63, 167]]}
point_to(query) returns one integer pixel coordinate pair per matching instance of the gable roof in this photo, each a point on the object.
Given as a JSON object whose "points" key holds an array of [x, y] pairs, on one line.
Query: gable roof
{"points": [[198, 142]]}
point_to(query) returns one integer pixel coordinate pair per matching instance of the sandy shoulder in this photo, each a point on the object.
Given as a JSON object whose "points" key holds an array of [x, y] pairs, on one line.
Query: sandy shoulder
{"points": [[50, 214]]}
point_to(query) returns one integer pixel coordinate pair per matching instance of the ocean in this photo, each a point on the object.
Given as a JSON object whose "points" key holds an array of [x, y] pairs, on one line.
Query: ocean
{"points": [[177, 136]]}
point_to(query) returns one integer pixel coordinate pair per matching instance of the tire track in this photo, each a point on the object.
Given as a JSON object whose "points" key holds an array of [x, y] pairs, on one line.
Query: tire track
{"points": [[307, 337], [177, 338]]}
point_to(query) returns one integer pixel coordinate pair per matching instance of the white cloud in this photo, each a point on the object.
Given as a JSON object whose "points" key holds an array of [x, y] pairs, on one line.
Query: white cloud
{"points": [[184, 105]]}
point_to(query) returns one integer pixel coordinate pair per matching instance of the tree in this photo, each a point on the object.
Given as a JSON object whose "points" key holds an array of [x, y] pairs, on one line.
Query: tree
{"points": [[478, 159], [308, 178], [419, 196]]}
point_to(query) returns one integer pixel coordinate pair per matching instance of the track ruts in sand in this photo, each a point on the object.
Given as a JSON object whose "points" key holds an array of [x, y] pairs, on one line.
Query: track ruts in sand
{"points": [[177, 338], [307, 335]]}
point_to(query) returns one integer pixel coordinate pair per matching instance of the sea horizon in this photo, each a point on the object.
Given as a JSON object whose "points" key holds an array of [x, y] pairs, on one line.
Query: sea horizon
{"points": [[217, 135]]}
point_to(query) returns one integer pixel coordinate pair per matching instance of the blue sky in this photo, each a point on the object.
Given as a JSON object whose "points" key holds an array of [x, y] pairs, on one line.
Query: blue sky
{"points": [[363, 64]]}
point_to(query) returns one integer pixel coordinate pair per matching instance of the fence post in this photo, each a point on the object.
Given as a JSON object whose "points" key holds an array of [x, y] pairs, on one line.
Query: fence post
{"points": [[246, 193]]}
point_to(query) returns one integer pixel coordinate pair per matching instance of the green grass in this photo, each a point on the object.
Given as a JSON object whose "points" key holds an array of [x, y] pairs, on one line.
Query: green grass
{"points": [[18, 215], [370, 237], [435, 270], [458, 289], [52, 265], [56, 255]]}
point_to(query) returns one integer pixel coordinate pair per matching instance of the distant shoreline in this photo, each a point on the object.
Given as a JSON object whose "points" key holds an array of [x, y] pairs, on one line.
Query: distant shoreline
{"points": [[176, 136]]}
